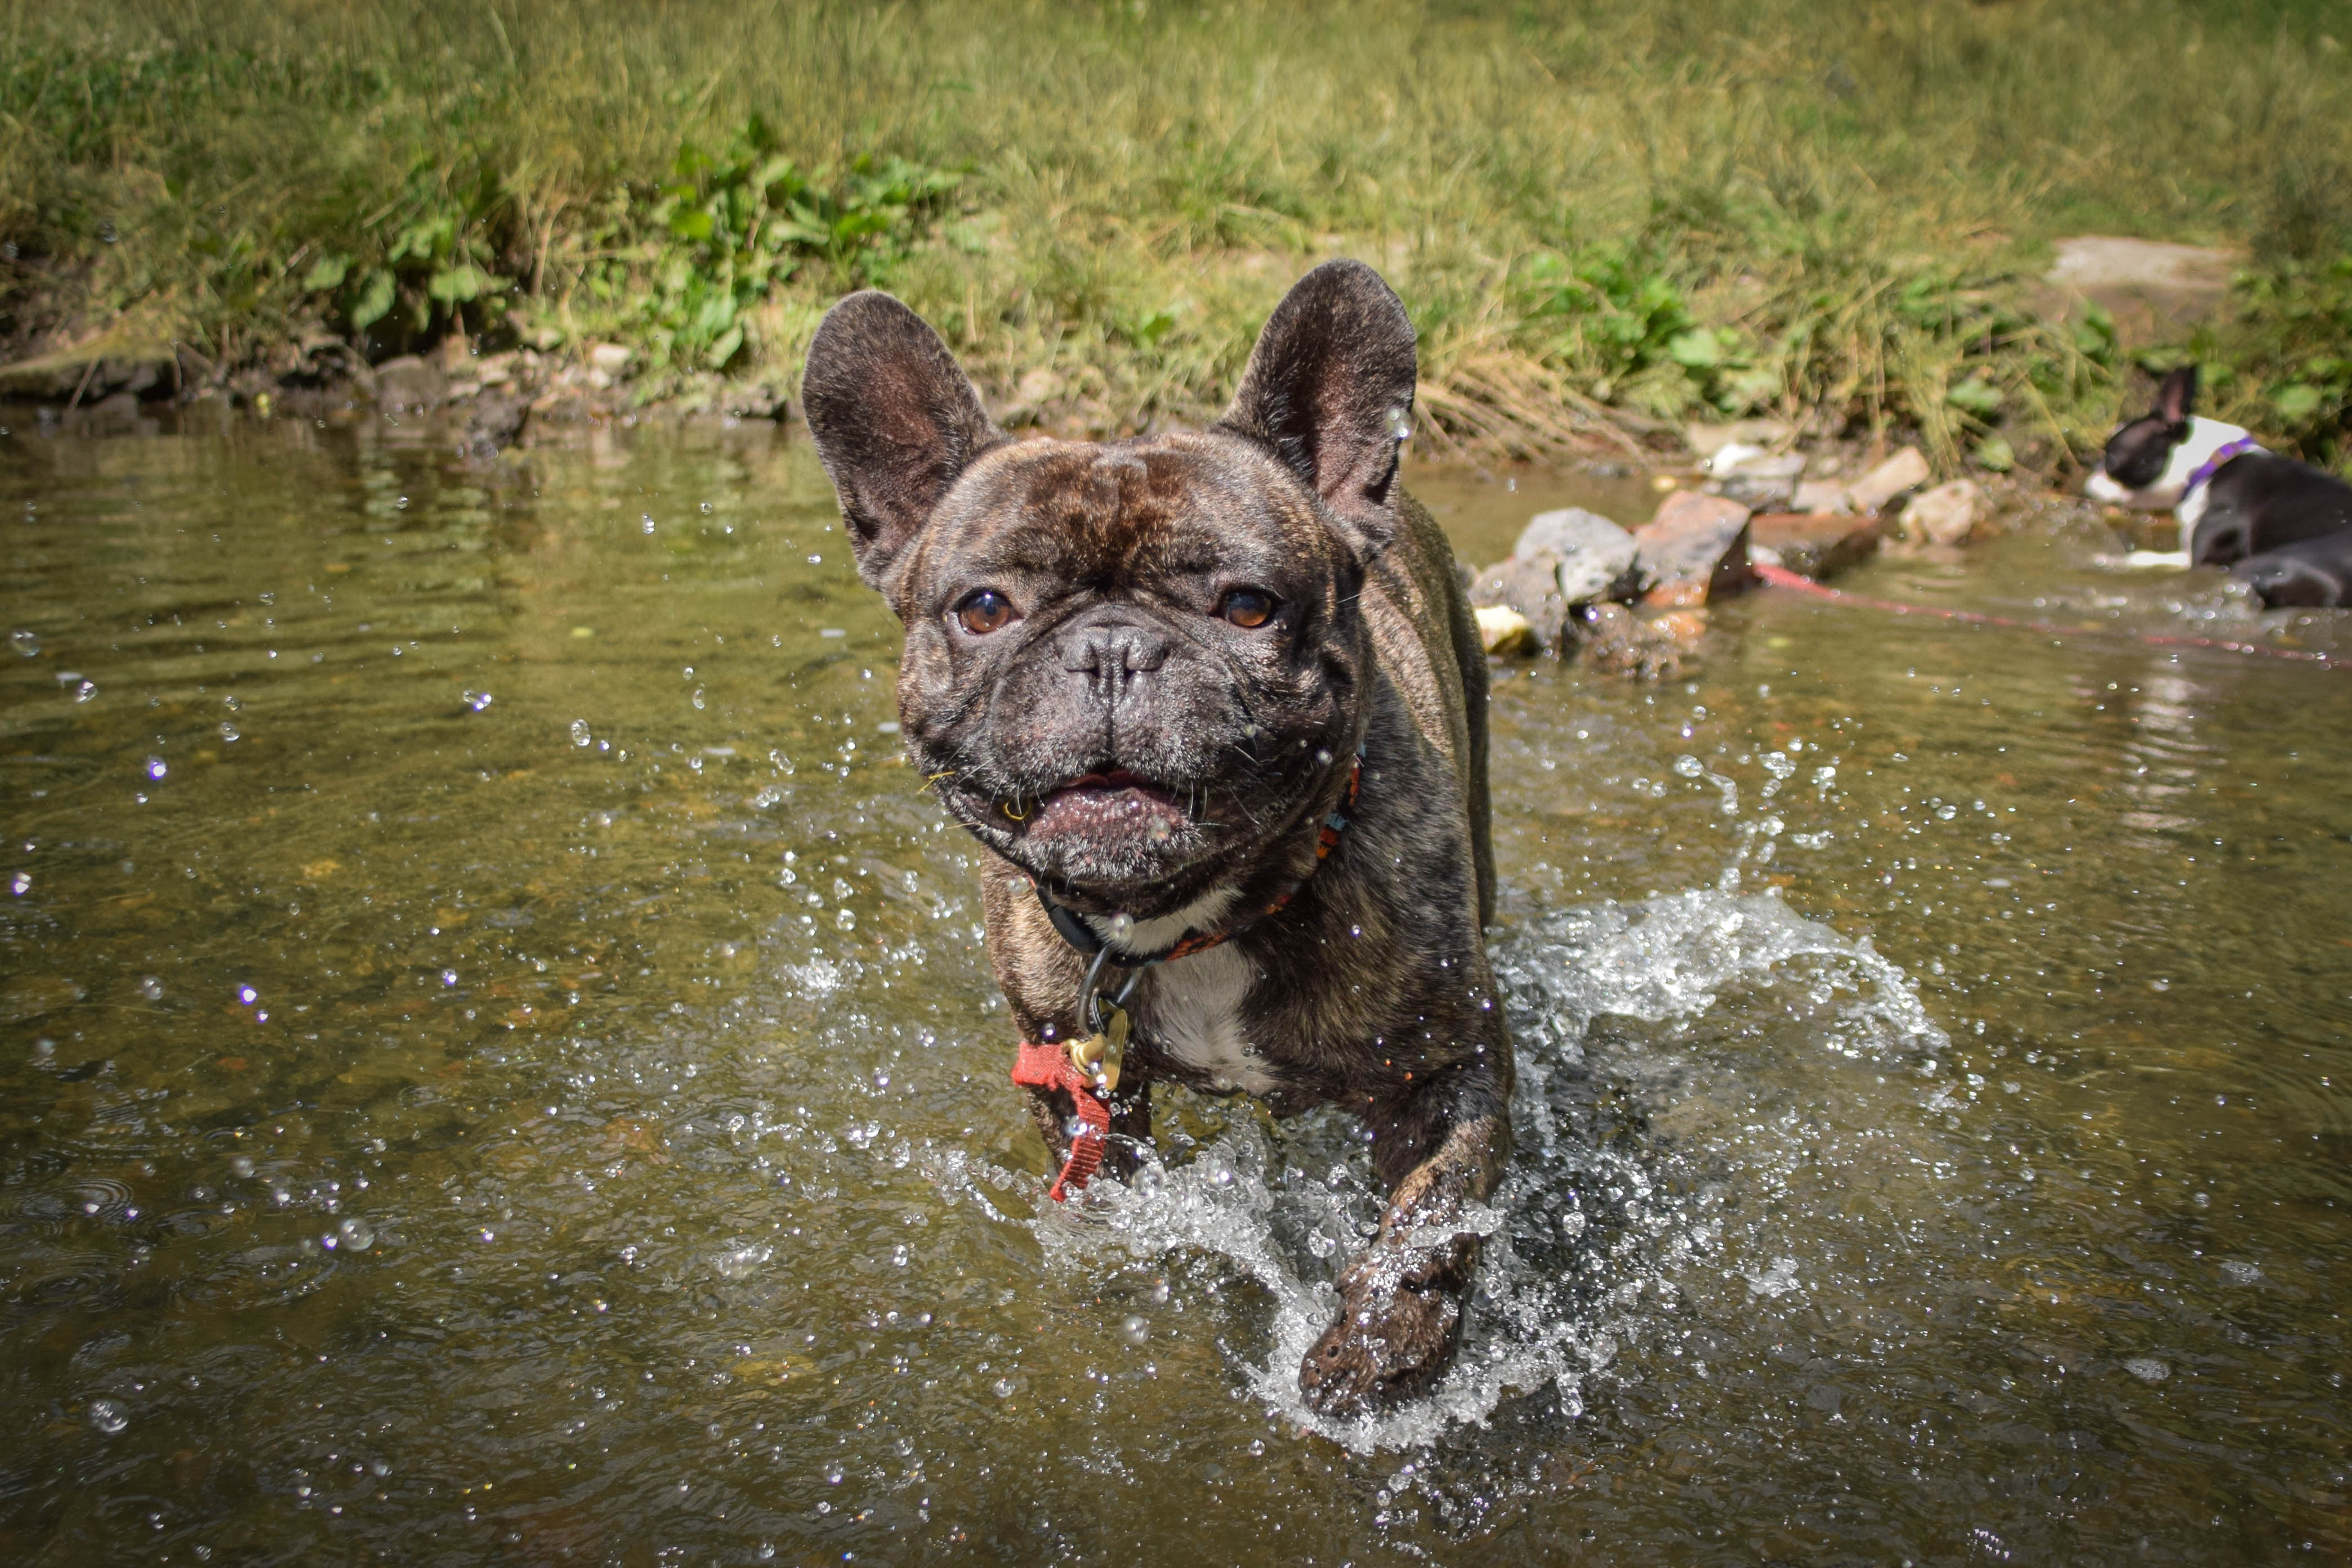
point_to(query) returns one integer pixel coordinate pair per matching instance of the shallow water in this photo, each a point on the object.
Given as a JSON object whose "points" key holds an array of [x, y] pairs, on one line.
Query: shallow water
{"points": [[498, 1067]]}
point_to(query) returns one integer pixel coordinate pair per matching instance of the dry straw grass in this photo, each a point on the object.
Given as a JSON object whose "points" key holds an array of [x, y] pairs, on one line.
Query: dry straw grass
{"points": [[1603, 215]]}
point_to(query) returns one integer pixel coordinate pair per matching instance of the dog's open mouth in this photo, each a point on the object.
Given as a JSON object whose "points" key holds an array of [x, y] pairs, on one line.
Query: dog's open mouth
{"points": [[1114, 804]]}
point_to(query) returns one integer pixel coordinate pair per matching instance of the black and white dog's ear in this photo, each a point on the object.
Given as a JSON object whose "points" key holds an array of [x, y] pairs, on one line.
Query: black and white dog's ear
{"points": [[2177, 395], [896, 422], [1330, 390]]}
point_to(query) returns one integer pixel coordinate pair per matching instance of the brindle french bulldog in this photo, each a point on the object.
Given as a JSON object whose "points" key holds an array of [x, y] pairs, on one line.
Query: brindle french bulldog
{"points": [[1219, 693]]}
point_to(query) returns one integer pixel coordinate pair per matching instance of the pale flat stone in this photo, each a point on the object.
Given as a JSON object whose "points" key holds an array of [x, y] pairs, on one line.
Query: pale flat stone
{"points": [[1504, 630], [1906, 470]]}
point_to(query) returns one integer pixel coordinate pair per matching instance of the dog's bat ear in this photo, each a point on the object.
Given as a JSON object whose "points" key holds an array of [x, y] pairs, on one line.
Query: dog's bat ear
{"points": [[2177, 395], [895, 422], [1330, 389]]}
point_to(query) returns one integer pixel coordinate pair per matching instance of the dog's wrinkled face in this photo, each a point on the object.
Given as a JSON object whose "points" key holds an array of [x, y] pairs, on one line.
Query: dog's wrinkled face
{"points": [[2139, 453], [1127, 662], [1129, 665]]}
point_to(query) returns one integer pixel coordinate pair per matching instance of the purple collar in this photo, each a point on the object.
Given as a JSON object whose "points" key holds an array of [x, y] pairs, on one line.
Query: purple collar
{"points": [[2207, 469]]}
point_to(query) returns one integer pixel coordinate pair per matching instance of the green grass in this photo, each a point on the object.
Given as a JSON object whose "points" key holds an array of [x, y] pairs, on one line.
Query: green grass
{"points": [[1602, 215]]}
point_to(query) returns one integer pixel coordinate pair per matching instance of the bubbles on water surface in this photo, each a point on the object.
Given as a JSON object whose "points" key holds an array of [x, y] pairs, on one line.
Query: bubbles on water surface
{"points": [[109, 1415], [580, 734], [2148, 1369], [155, 768], [356, 1234], [26, 642], [151, 988]]}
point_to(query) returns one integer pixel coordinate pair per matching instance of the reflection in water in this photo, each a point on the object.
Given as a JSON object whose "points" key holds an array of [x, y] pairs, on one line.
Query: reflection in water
{"points": [[499, 1066]]}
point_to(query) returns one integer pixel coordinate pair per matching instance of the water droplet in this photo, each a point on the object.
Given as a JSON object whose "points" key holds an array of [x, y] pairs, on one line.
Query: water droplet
{"points": [[155, 768], [477, 701], [579, 736], [1135, 1331], [1400, 423], [698, 696], [845, 919], [227, 731], [357, 1234], [21, 883], [107, 1415], [247, 995], [1003, 1388], [242, 1165], [646, 522], [833, 1478], [151, 988], [85, 690], [448, 976], [1122, 926]]}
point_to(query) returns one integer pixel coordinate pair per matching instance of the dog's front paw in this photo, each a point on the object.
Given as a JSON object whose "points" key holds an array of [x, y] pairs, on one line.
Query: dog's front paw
{"points": [[1400, 1319]]}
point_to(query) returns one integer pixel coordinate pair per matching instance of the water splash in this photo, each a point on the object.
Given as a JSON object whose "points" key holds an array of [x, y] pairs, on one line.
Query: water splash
{"points": [[1586, 1240]]}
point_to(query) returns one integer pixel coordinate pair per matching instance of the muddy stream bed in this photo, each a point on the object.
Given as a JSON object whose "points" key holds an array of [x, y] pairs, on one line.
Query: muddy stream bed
{"points": [[498, 1067]]}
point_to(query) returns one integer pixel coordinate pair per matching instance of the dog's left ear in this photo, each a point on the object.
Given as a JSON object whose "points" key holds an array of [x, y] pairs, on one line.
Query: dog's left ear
{"points": [[1330, 389], [894, 419]]}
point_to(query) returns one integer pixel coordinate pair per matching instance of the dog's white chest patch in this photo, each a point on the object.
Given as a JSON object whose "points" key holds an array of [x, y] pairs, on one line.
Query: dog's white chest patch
{"points": [[1193, 1013]]}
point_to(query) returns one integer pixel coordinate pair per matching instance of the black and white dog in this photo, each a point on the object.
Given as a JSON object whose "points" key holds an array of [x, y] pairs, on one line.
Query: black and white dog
{"points": [[2284, 527]]}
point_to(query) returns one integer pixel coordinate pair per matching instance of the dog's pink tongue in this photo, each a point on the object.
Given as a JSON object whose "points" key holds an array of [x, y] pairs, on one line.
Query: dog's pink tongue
{"points": [[1087, 809]]}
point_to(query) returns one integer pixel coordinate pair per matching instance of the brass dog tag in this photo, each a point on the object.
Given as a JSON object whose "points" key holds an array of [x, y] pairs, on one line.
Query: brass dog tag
{"points": [[1098, 1055]]}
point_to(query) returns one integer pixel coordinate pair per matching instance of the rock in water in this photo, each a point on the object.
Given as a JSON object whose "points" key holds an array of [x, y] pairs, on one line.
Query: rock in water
{"points": [[409, 385], [1815, 545], [1694, 550], [1529, 585], [496, 422], [1822, 495], [1945, 514], [1906, 470], [1617, 642], [1595, 554], [1504, 630]]}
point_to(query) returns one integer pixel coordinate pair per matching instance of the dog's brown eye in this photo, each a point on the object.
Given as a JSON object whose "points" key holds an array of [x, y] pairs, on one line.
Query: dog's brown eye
{"points": [[1248, 608], [985, 612]]}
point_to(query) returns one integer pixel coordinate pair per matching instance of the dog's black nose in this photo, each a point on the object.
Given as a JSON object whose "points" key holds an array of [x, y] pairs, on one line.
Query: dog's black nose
{"points": [[1112, 652]]}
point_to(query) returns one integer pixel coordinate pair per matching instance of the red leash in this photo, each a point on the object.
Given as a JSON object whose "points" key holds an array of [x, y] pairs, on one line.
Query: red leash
{"points": [[1781, 577], [1049, 1067]]}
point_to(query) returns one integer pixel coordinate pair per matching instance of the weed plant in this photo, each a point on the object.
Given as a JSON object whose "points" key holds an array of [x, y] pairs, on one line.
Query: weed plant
{"points": [[1606, 216]]}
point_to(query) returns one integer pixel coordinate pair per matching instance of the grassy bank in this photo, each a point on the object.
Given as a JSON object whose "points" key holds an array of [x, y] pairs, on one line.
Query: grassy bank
{"points": [[1602, 215]]}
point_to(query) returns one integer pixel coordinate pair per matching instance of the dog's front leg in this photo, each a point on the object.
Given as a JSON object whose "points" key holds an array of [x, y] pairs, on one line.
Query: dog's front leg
{"points": [[1401, 1304]]}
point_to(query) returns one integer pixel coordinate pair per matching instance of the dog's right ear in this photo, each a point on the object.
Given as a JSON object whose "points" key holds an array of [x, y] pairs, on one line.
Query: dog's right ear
{"points": [[2177, 395], [895, 419], [1330, 390]]}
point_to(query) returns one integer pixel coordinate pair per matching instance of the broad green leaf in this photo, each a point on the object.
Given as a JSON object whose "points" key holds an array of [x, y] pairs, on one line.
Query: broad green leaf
{"points": [[1976, 396], [2296, 402], [326, 274], [373, 299], [1697, 348], [456, 284]]}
